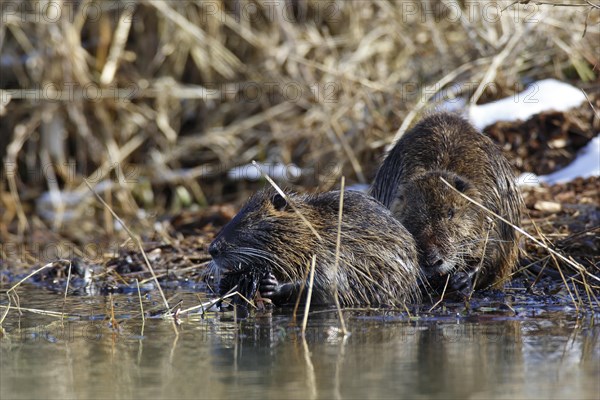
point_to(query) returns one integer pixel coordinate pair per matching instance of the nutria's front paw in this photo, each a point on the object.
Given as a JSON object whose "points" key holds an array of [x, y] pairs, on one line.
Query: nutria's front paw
{"points": [[269, 286], [462, 283], [279, 293]]}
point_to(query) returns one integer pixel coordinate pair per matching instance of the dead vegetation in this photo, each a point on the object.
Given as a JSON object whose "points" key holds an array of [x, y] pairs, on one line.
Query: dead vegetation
{"points": [[154, 101], [547, 141]]}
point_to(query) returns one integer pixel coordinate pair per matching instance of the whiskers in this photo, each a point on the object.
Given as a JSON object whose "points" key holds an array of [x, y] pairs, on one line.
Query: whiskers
{"points": [[242, 259], [266, 259], [213, 271]]}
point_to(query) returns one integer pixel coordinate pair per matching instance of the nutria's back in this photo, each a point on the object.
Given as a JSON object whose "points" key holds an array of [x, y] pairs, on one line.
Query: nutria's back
{"points": [[378, 257], [453, 234]]}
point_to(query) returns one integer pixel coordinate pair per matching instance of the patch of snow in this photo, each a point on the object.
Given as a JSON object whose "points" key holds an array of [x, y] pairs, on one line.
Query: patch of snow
{"points": [[455, 105], [528, 179], [49, 203], [586, 164], [544, 95], [358, 187]]}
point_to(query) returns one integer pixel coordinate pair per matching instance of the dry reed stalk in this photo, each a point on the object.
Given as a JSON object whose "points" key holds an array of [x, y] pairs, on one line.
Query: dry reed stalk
{"points": [[12, 293], [311, 280], [556, 263], [442, 296], [338, 242], [137, 283], [300, 292]]}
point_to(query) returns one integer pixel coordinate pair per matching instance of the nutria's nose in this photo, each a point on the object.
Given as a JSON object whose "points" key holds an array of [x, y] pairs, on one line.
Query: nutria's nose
{"points": [[215, 248], [434, 259], [437, 263]]}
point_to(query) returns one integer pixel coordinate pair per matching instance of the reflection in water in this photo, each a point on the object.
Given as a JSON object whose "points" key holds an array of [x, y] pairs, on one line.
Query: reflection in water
{"points": [[553, 355], [468, 357]]}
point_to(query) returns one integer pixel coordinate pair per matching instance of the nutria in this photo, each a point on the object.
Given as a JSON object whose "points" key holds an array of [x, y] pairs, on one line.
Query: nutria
{"points": [[454, 236], [268, 247]]}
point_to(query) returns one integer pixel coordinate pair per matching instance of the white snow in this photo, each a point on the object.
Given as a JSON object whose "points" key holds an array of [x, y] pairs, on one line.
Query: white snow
{"points": [[359, 187], [49, 203], [586, 164], [528, 179], [544, 95]]}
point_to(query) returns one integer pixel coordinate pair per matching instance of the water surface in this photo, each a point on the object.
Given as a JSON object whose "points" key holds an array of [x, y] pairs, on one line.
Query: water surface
{"points": [[546, 353]]}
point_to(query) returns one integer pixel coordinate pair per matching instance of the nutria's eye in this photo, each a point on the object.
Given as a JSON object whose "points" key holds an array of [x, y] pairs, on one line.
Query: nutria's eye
{"points": [[450, 213], [278, 201], [460, 184]]}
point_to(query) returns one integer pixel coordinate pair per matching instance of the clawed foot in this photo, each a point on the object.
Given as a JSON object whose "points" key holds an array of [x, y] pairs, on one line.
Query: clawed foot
{"points": [[271, 289], [461, 283]]}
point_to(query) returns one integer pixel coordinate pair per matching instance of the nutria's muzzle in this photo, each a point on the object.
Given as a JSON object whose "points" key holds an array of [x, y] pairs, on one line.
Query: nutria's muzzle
{"points": [[216, 248]]}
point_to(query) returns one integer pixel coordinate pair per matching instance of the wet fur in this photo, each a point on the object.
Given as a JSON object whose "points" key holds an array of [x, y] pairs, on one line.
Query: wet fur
{"points": [[378, 258], [444, 224]]}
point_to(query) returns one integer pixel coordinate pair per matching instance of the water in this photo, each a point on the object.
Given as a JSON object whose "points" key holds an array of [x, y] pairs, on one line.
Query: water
{"points": [[542, 353]]}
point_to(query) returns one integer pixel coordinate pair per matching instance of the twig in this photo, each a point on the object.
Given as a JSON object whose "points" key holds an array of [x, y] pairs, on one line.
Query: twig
{"points": [[562, 276], [591, 104], [67, 286], [491, 72], [480, 265], [118, 44], [141, 307], [300, 291], [596, 6], [114, 324], [12, 291], [41, 312], [443, 293], [309, 294], [68, 279], [337, 258], [211, 303]]}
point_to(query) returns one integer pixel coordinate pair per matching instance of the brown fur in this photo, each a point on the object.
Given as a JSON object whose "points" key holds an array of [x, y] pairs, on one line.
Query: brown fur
{"points": [[453, 234], [378, 258]]}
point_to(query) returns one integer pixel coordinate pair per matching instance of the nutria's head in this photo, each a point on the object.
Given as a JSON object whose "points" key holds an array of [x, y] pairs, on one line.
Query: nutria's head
{"points": [[261, 236], [449, 229]]}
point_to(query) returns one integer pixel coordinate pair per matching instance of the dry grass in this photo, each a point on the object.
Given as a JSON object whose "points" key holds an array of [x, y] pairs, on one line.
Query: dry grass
{"points": [[153, 101]]}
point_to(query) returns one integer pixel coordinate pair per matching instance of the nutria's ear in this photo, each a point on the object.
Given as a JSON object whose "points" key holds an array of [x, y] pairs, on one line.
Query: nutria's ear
{"points": [[400, 194], [278, 202], [398, 203], [460, 184]]}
